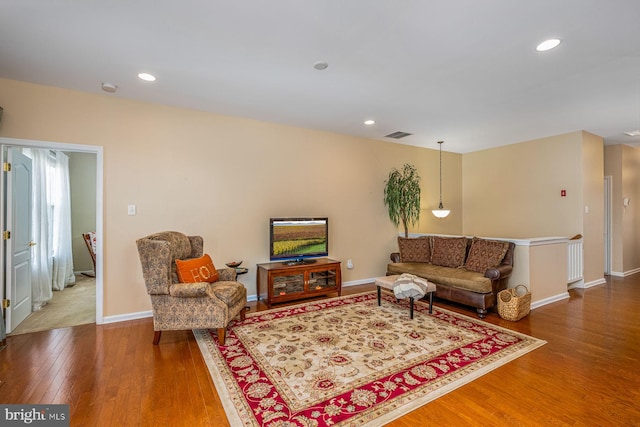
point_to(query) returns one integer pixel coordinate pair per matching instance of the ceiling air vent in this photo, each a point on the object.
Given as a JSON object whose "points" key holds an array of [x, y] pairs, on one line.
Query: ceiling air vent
{"points": [[397, 135]]}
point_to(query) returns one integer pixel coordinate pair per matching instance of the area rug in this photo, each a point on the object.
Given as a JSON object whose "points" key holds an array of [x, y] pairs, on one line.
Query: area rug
{"points": [[347, 361]]}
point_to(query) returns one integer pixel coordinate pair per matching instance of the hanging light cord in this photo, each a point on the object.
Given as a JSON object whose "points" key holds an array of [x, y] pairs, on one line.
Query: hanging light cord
{"points": [[440, 144]]}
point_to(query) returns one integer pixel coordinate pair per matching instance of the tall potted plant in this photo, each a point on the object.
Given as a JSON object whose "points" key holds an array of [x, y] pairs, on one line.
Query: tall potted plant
{"points": [[402, 196]]}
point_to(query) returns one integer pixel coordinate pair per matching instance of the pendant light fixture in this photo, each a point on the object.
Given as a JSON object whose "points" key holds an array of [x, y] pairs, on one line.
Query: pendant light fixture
{"points": [[441, 212]]}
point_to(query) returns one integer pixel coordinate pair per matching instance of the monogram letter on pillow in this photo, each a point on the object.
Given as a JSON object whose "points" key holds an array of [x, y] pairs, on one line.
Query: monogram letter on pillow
{"points": [[196, 270]]}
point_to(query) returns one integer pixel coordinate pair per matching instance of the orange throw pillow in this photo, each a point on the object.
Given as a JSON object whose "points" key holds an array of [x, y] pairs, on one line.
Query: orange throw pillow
{"points": [[196, 270]]}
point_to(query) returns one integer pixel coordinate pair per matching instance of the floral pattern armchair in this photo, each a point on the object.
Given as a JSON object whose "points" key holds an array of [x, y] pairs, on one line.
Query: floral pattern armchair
{"points": [[178, 306]]}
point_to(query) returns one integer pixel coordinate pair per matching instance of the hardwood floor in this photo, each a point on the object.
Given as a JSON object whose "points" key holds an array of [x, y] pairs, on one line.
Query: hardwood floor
{"points": [[586, 374]]}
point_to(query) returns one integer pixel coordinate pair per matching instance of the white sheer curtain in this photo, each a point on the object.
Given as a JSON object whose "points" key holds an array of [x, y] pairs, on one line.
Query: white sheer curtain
{"points": [[61, 201], [52, 261], [41, 259]]}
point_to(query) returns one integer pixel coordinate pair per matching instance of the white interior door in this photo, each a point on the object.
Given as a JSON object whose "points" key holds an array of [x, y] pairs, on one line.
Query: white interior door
{"points": [[18, 245]]}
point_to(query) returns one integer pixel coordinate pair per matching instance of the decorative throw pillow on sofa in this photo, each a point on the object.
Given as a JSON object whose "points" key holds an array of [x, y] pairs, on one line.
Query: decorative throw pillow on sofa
{"points": [[196, 270], [485, 254], [414, 249], [449, 251]]}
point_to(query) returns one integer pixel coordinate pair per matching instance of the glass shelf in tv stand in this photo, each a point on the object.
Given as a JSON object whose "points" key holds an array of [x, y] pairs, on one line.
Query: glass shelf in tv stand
{"points": [[295, 284]]}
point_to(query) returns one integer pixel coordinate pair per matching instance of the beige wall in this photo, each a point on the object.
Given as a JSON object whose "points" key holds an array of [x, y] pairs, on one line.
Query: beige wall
{"points": [[622, 163], [514, 191], [223, 177], [548, 269], [451, 195], [593, 197]]}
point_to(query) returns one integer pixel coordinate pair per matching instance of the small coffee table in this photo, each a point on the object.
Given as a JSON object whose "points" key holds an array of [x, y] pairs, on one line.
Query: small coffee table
{"points": [[388, 282]]}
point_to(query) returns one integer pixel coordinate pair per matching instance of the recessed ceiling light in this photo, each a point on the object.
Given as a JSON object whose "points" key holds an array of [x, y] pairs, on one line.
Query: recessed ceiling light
{"points": [[320, 65], [147, 77], [369, 122], [548, 45]]}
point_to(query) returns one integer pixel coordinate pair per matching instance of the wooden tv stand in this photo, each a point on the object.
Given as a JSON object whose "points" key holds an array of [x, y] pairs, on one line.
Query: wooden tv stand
{"points": [[279, 282]]}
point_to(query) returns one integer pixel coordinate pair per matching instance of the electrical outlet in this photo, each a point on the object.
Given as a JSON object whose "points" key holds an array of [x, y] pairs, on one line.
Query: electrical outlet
{"points": [[131, 210], [349, 264]]}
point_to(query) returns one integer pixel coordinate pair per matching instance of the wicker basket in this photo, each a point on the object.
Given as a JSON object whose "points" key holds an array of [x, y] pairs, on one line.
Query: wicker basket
{"points": [[514, 303]]}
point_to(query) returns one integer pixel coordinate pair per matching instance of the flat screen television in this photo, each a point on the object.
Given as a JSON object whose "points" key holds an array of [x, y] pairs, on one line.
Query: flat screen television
{"points": [[298, 240]]}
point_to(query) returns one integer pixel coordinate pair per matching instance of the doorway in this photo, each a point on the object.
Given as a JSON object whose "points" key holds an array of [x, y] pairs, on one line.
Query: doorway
{"points": [[97, 154]]}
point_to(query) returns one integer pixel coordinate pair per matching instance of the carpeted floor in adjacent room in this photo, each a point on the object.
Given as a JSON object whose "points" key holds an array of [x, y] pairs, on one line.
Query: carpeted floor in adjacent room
{"points": [[72, 306]]}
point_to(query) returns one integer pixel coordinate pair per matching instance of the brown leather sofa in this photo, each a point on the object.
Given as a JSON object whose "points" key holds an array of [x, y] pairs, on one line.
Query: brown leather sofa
{"points": [[469, 271]]}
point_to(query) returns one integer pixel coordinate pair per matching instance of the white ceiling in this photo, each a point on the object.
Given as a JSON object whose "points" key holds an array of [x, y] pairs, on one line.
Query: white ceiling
{"points": [[462, 71]]}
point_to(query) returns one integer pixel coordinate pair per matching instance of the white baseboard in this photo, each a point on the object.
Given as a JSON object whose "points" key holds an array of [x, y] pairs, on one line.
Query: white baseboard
{"points": [[565, 295], [576, 285], [593, 283], [128, 316], [357, 282], [630, 272], [582, 285], [625, 273], [552, 299]]}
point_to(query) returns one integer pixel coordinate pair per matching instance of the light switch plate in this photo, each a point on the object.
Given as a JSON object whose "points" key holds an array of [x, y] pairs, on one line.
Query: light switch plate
{"points": [[131, 210]]}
